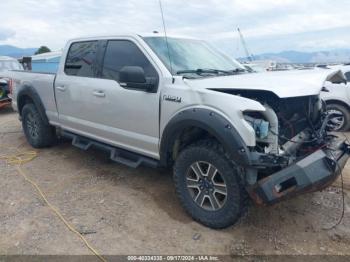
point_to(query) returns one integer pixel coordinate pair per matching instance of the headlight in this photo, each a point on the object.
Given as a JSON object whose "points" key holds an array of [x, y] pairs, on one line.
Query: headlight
{"points": [[260, 126]]}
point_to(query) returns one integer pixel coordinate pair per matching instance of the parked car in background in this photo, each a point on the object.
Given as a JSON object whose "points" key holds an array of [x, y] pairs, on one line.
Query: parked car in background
{"points": [[6, 64], [254, 68], [337, 98], [9, 63]]}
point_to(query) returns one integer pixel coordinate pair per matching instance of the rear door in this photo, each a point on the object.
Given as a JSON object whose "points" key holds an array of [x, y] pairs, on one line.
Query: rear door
{"points": [[75, 86]]}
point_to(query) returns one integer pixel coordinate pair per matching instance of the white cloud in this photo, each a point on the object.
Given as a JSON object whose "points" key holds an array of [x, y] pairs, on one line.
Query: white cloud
{"points": [[33, 23]]}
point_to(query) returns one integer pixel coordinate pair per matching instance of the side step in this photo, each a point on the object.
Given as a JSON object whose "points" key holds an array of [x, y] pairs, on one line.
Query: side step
{"points": [[116, 154]]}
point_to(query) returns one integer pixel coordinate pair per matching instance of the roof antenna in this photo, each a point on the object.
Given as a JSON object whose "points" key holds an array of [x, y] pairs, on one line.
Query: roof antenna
{"points": [[166, 39]]}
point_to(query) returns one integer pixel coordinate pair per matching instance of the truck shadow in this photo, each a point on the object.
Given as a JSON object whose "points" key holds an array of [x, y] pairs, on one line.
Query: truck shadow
{"points": [[6, 110], [155, 183]]}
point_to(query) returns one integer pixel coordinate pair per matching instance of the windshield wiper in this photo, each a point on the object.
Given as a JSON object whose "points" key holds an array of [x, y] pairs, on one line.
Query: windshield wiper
{"points": [[238, 70], [201, 71]]}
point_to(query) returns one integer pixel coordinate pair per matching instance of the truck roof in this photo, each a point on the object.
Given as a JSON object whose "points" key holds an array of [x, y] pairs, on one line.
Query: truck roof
{"points": [[130, 35]]}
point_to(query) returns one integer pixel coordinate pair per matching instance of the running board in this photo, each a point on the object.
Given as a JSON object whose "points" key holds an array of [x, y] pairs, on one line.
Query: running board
{"points": [[116, 154]]}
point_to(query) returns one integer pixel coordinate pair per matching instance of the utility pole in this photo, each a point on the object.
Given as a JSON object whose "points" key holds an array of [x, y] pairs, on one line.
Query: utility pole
{"points": [[249, 56]]}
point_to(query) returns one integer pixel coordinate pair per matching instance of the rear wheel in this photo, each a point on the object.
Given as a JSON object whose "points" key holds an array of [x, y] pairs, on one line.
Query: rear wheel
{"points": [[38, 132], [208, 185], [340, 119]]}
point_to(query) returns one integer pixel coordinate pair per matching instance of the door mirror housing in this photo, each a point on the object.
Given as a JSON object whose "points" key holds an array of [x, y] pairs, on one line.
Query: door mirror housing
{"points": [[134, 77]]}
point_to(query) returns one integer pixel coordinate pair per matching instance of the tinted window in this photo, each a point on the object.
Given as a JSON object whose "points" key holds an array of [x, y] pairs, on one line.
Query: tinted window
{"points": [[347, 75], [81, 59], [120, 53]]}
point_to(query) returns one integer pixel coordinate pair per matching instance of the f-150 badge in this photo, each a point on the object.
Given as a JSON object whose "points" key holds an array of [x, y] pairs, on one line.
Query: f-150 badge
{"points": [[170, 98]]}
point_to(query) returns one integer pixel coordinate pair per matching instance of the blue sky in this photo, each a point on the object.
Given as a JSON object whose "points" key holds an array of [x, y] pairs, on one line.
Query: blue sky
{"points": [[268, 25]]}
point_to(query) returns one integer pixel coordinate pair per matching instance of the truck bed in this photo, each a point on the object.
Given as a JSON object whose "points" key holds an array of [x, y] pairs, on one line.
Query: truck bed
{"points": [[43, 83]]}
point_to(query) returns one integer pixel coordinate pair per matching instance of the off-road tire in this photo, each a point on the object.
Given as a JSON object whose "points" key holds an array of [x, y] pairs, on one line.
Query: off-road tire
{"points": [[237, 199], [346, 114], [44, 134]]}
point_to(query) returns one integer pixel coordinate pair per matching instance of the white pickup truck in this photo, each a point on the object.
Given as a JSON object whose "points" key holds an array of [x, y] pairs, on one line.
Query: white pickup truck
{"points": [[181, 104], [337, 98]]}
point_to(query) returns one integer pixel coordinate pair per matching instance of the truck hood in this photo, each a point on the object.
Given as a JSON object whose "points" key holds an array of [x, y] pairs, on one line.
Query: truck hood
{"points": [[283, 84]]}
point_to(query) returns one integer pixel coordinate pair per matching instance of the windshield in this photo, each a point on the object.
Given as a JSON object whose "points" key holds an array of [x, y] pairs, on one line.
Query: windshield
{"points": [[190, 54], [10, 65]]}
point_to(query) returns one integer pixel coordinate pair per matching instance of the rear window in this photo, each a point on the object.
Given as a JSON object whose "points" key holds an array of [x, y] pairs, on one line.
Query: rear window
{"points": [[81, 59]]}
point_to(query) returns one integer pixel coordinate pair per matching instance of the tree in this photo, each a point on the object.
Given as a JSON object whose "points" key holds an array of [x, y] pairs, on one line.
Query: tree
{"points": [[42, 49]]}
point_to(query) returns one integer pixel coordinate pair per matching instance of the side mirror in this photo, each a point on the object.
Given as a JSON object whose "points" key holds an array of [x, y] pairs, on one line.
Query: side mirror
{"points": [[134, 77]]}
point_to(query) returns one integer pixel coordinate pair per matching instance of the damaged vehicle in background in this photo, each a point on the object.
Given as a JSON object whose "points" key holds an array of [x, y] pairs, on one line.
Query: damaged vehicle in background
{"points": [[179, 103], [6, 64], [336, 94]]}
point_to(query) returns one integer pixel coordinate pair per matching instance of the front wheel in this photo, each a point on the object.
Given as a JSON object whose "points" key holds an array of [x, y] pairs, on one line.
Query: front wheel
{"points": [[208, 185], [340, 119]]}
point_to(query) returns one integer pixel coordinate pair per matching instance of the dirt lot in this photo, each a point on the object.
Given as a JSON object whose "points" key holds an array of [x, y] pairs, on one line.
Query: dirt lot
{"points": [[135, 211]]}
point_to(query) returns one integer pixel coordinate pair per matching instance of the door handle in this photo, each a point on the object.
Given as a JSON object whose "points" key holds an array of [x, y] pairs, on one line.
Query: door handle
{"points": [[99, 93], [61, 88]]}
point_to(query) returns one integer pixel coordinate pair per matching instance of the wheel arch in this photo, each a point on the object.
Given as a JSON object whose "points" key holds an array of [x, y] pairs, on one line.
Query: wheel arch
{"points": [[196, 124], [28, 94], [338, 102]]}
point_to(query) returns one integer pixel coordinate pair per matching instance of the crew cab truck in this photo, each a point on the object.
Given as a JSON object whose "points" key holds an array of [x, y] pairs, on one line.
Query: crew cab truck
{"points": [[179, 103]]}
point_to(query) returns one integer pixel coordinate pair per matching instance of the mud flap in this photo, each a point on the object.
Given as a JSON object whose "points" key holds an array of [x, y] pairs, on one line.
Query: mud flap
{"points": [[312, 173]]}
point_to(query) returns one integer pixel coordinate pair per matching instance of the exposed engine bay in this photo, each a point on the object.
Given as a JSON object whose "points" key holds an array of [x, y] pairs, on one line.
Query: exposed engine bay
{"points": [[289, 126], [293, 146], [293, 151]]}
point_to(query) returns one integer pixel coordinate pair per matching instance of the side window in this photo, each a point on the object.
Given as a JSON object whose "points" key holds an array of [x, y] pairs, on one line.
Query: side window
{"points": [[81, 59], [347, 75], [120, 53]]}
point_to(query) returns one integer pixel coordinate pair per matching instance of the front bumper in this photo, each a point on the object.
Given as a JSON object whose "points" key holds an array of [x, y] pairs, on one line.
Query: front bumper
{"points": [[312, 173]]}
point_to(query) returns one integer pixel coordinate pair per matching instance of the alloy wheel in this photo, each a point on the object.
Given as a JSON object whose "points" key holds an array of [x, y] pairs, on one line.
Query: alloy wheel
{"points": [[336, 122], [32, 126], [206, 186]]}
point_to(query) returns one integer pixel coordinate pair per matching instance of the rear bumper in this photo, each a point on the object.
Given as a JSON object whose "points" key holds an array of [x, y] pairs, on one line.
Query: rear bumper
{"points": [[312, 173]]}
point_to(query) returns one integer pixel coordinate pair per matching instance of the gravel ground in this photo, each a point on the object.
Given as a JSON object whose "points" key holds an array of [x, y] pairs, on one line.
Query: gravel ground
{"points": [[135, 211]]}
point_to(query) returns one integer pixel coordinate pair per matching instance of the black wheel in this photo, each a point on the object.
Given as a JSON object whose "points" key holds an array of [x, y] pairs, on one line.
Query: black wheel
{"points": [[208, 185], [37, 131], [340, 120]]}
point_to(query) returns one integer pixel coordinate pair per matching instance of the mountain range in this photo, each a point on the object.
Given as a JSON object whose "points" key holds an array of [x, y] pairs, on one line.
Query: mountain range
{"points": [[13, 51], [331, 56]]}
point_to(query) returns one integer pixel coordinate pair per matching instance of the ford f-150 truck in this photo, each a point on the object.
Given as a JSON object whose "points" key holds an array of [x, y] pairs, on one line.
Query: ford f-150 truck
{"points": [[179, 103]]}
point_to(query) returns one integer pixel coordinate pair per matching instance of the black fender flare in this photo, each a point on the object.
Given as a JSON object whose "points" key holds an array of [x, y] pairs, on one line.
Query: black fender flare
{"points": [[29, 91], [214, 124]]}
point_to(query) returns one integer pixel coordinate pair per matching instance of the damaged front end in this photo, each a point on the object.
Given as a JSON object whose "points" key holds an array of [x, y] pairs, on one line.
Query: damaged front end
{"points": [[294, 152]]}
